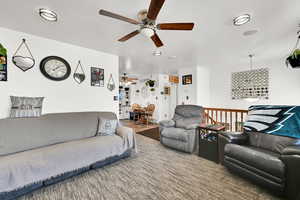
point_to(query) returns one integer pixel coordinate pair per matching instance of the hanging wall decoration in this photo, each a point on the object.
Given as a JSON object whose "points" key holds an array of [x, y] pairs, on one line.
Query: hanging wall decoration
{"points": [[79, 75], [250, 84], [111, 86], [187, 79], [294, 58], [24, 62], [97, 77], [3, 63]]}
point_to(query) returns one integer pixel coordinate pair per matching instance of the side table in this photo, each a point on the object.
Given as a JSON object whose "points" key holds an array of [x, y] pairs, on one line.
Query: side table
{"points": [[208, 141]]}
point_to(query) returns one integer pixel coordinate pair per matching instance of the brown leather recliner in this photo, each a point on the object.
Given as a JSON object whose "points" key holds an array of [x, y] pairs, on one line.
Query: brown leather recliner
{"points": [[267, 160]]}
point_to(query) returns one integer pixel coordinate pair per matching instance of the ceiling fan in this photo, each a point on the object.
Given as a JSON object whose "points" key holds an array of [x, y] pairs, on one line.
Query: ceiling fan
{"points": [[148, 26]]}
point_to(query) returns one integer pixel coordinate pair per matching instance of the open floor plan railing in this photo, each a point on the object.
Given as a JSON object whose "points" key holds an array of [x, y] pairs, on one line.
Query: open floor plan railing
{"points": [[232, 119]]}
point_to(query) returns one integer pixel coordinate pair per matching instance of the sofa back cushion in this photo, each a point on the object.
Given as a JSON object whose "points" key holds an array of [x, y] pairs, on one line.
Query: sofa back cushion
{"points": [[186, 115], [187, 111], [22, 134], [270, 142]]}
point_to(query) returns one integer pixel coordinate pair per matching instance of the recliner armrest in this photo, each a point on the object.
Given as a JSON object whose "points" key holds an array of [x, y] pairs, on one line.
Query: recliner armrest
{"points": [[234, 137], [227, 138], [167, 123], [291, 150]]}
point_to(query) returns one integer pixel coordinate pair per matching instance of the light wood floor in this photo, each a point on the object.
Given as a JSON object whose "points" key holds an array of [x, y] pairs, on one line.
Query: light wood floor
{"points": [[138, 127]]}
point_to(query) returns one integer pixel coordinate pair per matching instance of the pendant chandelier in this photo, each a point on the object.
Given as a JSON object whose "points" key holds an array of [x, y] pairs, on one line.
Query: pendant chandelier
{"points": [[249, 93]]}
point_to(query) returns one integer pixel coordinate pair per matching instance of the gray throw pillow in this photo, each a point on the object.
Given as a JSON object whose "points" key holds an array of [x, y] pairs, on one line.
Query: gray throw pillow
{"points": [[107, 126], [26, 106]]}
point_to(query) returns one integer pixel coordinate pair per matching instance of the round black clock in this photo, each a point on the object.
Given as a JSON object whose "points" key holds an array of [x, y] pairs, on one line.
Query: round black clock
{"points": [[55, 68]]}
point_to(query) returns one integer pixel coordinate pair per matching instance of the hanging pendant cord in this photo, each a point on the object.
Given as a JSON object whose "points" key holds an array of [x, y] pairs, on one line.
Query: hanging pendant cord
{"points": [[24, 42]]}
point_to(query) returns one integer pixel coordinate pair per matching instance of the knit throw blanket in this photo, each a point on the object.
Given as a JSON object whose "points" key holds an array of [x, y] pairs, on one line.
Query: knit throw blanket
{"points": [[276, 120]]}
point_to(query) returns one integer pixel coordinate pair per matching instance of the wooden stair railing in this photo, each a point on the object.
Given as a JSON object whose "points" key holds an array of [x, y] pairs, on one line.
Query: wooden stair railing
{"points": [[232, 119]]}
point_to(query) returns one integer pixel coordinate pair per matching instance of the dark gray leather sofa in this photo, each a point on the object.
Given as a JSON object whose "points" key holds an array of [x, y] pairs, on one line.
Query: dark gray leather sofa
{"points": [[268, 160]]}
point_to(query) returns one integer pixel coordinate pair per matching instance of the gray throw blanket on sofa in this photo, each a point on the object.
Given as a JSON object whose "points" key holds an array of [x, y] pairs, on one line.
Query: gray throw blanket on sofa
{"points": [[43, 163], [60, 143]]}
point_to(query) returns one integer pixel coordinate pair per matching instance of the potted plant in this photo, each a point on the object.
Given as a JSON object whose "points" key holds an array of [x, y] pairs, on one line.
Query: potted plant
{"points": [[294, 59], [150, 83]]}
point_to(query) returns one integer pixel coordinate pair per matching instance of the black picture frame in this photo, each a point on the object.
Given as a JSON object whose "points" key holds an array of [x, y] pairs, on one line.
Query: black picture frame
{"points": [[97, 77], [3, 63], [187, 79], [47, 59]]}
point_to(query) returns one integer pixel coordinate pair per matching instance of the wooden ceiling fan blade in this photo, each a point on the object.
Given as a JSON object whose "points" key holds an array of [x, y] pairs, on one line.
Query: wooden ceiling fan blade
{"points": [[119, 17], [154, 8], [130, 35], [157, 40], [176, 26]]}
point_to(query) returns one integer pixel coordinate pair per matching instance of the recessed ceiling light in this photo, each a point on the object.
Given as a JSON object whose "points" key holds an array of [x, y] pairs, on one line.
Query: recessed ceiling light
{"points": [[48, 15], [157, 53], [242, 19]]}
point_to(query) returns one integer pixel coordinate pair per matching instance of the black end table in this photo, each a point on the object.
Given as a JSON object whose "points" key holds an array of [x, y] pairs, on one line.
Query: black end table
{"points": [[208, 141]]}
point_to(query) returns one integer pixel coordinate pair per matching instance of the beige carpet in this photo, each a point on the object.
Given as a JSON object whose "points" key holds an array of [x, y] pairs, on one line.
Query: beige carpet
{"points": [[155, 173]]}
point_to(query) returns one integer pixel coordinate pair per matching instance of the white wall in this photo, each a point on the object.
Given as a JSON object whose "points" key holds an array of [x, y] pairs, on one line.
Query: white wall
{"points": [[64, 96], [164, 104], [284, 85], [199, 91]]}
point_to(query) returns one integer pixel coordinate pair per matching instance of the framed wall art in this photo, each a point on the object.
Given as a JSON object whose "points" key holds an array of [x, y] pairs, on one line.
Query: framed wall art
{"points": [[250, 84], [3, 63], [187, 79], [97, 77]]}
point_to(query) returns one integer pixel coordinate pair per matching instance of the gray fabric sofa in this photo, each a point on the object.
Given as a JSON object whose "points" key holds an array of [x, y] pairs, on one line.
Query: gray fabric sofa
{"points": [[36, 152], [180, 132]]}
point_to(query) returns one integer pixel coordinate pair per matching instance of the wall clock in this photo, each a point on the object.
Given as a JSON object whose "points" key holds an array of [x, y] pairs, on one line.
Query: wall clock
{"points": [[55, 68]]}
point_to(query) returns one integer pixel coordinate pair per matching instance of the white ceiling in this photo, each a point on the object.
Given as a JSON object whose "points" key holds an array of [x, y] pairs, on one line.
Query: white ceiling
{"points": [[214, 41]]}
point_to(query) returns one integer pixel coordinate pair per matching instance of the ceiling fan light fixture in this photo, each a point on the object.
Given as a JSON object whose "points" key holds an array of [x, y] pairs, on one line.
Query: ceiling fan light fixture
{"points": [[48, 15], [241, 20], [148, 32]]}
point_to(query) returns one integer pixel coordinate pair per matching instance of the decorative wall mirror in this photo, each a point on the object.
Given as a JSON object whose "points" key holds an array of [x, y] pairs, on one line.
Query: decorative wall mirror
{"points": [[23, 61], [79, 75], [111, 83]]}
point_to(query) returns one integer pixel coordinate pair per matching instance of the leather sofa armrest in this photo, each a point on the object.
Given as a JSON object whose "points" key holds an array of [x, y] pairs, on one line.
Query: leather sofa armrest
{"points": [[291, 150], [230, 138], [167, 123], [234, 137], [291, 158]]}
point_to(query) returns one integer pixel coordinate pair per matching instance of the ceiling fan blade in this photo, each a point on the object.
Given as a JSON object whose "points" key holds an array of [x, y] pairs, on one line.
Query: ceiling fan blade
{"points": [[154, 8], [176, 26], [157, 40], [132, 79], [119, 17], [130, 35]]}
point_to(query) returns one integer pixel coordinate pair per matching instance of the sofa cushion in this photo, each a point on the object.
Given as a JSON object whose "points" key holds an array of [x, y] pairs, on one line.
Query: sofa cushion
{"points": [[270, 142], [22, 169], [176, 134], [264, 160], [189, 111], [107, 126], [20, 134]]}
